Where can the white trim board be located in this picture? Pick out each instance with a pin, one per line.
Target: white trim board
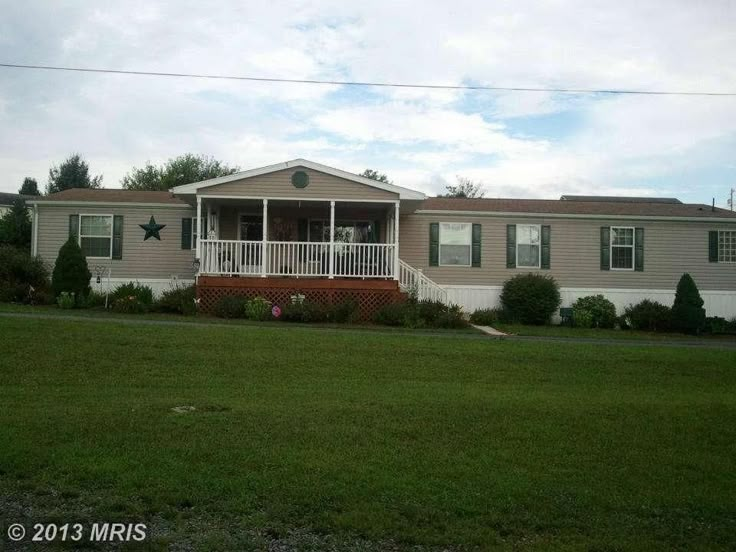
(717, 302)
(404, 193)
(158, 285)
(52, 203)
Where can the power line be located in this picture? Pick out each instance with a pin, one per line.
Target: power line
(369, 83)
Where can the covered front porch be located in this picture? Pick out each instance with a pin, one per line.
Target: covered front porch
(297, 238)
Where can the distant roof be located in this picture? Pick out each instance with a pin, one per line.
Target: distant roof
(620, 199)
(8, 199)
(561, 207)
(104, 195)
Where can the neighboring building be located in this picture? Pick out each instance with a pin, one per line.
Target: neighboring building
(7, 200)
(303, 227)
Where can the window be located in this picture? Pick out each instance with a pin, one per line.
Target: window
(528, 245)
(727, 246)
(95, 235)
(455, 242)
(345, 231)
(622, 248)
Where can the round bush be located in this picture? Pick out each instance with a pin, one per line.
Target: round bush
(530, 298)
(71, 273)
(688, 314)
(23, 278)
(594, 311)
(648, 316)
(141, 292)
(485, 317)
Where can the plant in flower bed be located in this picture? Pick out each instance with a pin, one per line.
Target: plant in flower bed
(303, 310)
(486, 317)
(143, 293)
(71, 273)
(344, 312)
(719, 325)
(66, 300)
(530, 298)
(594, 311)
(688, 314)
(258, 308)
(230, 306)
(177, 300)
(130, 304)
(23, 278)
(646, 315)
(421, 314)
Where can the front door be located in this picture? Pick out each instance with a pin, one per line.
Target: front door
(251, 227)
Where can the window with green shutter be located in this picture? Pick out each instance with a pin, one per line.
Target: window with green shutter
(605, 248)
(476, 244)
(546, 247)
(510, 246)
(117, 237)
(434, 244)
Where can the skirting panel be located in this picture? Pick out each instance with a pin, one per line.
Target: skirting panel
(371, 295)
(158, 285)
(717, 303)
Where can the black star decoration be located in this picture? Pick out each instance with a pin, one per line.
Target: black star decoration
(152, 229)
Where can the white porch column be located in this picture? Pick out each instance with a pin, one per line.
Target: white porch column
(198, 249)
(332, 240)
(396, 241)
(264, 248)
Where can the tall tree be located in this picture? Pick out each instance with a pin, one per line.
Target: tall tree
(29, 187)
(465, 188)
(184, 169)
(72, 173)
(15, 226)
(375, 175)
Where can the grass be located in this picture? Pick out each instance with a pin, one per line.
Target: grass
(598, 333)
(360, 440)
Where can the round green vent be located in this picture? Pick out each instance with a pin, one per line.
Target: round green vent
(300, 179)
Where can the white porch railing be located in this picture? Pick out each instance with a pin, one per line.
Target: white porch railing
(245, 258)
(413, 280)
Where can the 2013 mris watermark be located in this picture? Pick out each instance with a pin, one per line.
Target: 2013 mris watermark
(78, 532)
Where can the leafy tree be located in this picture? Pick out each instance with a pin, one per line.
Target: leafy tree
(15, 226)
(688, 314)
(465, 188)
(29, 187)
(71, 273)
(375, 175)
(72, 173)
(184, 169)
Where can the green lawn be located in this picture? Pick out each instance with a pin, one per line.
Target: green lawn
(362, 440)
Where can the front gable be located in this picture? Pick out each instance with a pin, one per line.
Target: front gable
(290, 184)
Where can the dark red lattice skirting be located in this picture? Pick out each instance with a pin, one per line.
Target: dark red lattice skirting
(371, 295)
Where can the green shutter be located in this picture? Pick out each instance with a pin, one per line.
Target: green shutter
(434, 244)
(639, 249)
(476, 245)
(713, 246)
(510, 246)
(545, 247)
(605, 248)
(377, 231)
(117, 237)
(186, 233)
(73, 225)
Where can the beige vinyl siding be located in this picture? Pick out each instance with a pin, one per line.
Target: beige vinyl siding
(278, 184)
(670, 248)
(141, 259)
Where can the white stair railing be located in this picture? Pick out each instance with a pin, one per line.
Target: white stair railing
(413, 280)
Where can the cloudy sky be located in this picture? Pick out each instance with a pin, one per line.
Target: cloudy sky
(517, 144)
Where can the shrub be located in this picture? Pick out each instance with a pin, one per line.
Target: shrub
(177, 300)
(143, 293)
(93, 300)
(129, 305)
(71, 273)
(647, 316)
(530, 298)
(601, 313)
(66, 300)
(344, 312)
(230, 306)
(303, 310)
(421, 314)
(688, 314)
(719, 325)
(23, 278)
(485, 317)
(258, 308)
(392, 314)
